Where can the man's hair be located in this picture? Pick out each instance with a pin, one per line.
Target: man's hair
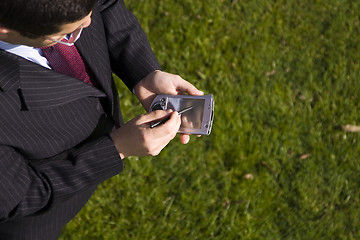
(34, 18)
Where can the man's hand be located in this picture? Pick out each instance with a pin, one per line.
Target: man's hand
(136, 138)
(159, 82)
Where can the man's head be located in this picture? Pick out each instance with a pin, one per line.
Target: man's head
(33, 19)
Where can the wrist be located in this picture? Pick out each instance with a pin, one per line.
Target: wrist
(117, 145)
(142, 82)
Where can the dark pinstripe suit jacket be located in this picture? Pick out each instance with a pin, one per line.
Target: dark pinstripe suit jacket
(54, 146)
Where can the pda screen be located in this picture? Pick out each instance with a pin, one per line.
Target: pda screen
(192, 118)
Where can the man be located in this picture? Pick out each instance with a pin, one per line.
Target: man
(59, 126)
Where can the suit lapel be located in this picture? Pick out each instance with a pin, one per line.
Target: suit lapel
(44, 88)
(9, 71)
(39, 87)
(94, 51)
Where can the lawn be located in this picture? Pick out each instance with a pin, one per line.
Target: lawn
(279, 163)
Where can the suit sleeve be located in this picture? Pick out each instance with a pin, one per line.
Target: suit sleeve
(28, 186)
(130, 53)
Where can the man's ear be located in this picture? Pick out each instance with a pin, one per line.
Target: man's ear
(3, 32)
(4, 29)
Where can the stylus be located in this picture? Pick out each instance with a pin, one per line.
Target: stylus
(167, 118)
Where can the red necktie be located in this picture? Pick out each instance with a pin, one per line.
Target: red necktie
(67, 60)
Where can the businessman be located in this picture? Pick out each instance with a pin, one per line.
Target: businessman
(61, 130)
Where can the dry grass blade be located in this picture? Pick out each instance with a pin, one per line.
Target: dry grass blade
(351, 128)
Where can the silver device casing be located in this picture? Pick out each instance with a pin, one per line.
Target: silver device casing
(198, 120)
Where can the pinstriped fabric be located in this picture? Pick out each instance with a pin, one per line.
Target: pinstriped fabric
(43, 88)
(9, 71)
(141, 58)
(96, 59)
(61, 213)
(54, 147)
(53, 129)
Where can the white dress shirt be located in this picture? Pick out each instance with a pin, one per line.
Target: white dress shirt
(29, 53)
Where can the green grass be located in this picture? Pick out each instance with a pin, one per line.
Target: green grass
(277, 165)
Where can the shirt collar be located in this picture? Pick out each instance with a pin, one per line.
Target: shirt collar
(29, 53)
